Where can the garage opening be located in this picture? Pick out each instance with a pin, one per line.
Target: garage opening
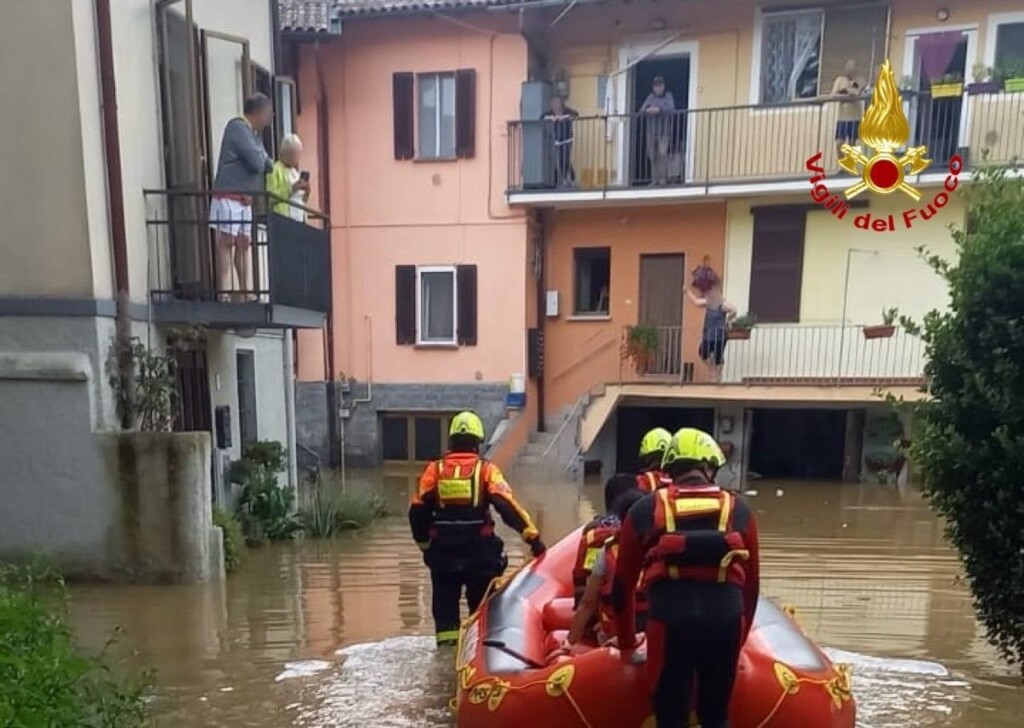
(633, 422)
(798, 443)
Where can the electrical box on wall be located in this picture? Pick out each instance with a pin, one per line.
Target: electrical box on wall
(551, 304)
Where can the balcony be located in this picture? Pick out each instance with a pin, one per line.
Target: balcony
(786, 355)
(282, 281)
(737, 150)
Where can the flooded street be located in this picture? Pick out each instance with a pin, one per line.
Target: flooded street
(337, 633)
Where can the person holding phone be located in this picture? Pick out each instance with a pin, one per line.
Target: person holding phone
(286, 183)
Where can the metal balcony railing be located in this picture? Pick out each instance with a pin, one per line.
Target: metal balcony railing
(277, 259)
(783, 354)
(744, 144)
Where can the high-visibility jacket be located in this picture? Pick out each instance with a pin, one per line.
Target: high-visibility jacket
(592, 541)
(651, 480)
(691, 531)
(694, 537)
(452, 507)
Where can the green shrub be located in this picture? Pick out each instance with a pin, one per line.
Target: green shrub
(266, 509)
(44, 679)
(268, 454)
(969, 439)
(327, 512)
(234, 539)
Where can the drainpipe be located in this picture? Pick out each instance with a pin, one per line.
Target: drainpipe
(541, 285)
(115, 198)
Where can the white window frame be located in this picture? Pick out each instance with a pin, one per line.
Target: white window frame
(647, 47)
(437, 76)
(420, 327)
(755, 66)
(994, 21)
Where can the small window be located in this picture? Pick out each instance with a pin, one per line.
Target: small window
(593, 276)
(1010, 47)
(436, 115)
(245, 363)
(436, 305)
(790, 55)
(418, 437)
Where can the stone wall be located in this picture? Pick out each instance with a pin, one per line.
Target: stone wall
(361, 427)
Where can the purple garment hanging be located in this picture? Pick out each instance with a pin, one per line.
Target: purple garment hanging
(937, 50)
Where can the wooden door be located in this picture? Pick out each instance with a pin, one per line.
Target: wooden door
(661, 304)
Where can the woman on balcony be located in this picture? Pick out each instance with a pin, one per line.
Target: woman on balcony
(288, 186)
(560, 118)
(718, 314)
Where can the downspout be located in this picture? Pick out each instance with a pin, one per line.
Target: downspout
(115, 202)
(540, 278)
(325, 202)
(288, 365)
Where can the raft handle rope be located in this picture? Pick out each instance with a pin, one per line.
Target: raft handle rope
(492, 691)
(838, 687)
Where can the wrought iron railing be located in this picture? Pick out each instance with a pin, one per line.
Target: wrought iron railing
(203, 250)
(782, 354)
(744, 144)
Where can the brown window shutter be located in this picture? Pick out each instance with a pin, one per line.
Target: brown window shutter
(465, 113)
(402, 85)
(405, 304)
(466, 292)
(777, 264)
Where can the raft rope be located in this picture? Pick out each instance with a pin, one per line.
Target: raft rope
(838, 687)
(555, 685)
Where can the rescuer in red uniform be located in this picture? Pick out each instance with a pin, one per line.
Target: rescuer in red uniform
(697, 547)
(451, 522)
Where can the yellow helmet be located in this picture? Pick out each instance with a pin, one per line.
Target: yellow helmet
(467, 423)
(695, 446)
(655, 441)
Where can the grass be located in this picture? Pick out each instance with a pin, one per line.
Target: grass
(327, 511)
(45, 680)
(234, 538)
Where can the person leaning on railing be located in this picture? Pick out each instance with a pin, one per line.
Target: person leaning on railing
(241, 170)
(287, 186)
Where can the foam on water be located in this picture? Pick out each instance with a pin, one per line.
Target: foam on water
(305, 668)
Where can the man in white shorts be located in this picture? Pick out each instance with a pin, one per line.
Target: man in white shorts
(241, 172)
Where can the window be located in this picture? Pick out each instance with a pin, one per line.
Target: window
(790, 55)
(434, 114)
(777, 263)
(435, 305)
(593, 275)
(802, 52)
(245, 363)
(1009, 55)
(419, 437)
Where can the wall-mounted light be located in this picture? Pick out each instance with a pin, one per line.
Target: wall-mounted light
(942, 15)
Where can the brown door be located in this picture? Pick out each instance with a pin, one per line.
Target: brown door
(661, 305)
(777, 264)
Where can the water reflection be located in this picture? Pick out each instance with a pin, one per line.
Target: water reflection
(333, 633)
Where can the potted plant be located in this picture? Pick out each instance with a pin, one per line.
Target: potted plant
(1013, 77)
(887, 327)
(985, 81)
(884, 465)
(948, 86)
(740, 327)
(641, 346)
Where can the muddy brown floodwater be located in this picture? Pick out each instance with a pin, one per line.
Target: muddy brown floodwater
(337, 633)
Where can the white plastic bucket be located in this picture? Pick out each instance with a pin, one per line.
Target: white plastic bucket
(516, 392)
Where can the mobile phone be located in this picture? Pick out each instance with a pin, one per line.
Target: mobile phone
(304, 176)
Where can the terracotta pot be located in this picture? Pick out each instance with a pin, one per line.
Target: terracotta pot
(741, 334)
(883, 331)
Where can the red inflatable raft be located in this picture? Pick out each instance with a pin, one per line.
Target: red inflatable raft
(505, 680)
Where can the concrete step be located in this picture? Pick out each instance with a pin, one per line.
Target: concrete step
(544, 438)
(536, 448)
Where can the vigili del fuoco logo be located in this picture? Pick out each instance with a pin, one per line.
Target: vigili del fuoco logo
(885, 130)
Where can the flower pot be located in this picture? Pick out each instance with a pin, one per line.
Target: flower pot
(741, 334)
(984, 87)
(883, 331)
(1013, 84)
(947, 90)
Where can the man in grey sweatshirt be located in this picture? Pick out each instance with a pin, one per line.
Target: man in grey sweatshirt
(660, 121)
(241, 172)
